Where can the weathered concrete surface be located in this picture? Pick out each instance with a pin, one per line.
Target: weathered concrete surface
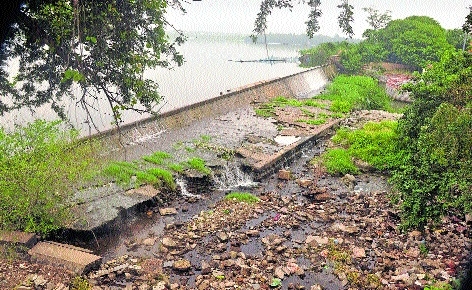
(18, 239)
(74, 259)
(104, 205)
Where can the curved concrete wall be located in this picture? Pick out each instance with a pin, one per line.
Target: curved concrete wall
(302, 84)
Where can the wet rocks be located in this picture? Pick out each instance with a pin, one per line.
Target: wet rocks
(182, 265)
(284, 174)
(167, 211)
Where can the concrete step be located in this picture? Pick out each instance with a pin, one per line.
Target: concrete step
(75, 259)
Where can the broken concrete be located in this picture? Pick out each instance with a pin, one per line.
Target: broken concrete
(74, 259)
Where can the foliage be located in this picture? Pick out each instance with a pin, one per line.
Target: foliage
(376, 19)
(242, 197)
(320, 54)
(467, 27)
(345, 17)
(458, 38)
(436, 134)
(99, 48)
(40, 166)
(339, 160)
(79, 283)
(349, 93)
(415, 41)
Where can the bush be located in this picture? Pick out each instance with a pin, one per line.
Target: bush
(436, 134)
(40, 166)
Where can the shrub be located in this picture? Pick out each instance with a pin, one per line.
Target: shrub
(436, 133)
(40, 166)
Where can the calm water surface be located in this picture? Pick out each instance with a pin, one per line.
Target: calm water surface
(207, 71)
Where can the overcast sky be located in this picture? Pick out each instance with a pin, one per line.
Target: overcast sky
(237, 16)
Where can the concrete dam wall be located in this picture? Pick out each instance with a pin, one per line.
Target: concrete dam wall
(303, 84)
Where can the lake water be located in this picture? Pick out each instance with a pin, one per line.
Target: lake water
(207, 71)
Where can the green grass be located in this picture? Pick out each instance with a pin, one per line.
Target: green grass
(374, 143)
(339, 160)
(121, 171)
(157, 157)
(199, 165)
(349, 93)
(312, 121)
(242, 197)
(176, 167)
(164, 175)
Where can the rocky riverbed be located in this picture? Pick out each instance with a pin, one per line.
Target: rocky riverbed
(309, 230)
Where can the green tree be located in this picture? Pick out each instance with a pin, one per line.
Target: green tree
(376, 19)
(458, 38)
(101, 48)
(436, 133)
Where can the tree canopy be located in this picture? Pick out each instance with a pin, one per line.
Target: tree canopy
(100, 48)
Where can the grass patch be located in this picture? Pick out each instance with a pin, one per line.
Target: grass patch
(176, 167)
(242, 197)
(157, 157)
(339, 160)
(312, 121)
(374, 143)
(199, 165)
(164, 175)
(349, 93)
(121, 171)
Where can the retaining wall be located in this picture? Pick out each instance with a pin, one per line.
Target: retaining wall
(297, 85)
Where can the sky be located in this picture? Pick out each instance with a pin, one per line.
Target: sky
(237, 16)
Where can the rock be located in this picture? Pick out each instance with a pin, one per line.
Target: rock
(304, 182)
(322, 197)
(316, 287)
(181, 265)
(253, 233)
(168, 242)
(222, 236)
(346, 229)
(149, 242)
(349, 179)
(358, 252)
(403, 277)
(167, 211)
(279, 273)
(316, 239)
(284, 174)
(413, 252)
(468, 218)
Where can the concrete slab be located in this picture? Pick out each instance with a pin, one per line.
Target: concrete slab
(18, 239)
(74, 259)
(104, 205)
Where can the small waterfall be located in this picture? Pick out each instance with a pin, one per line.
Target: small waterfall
(183, 189)
(232, 177)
